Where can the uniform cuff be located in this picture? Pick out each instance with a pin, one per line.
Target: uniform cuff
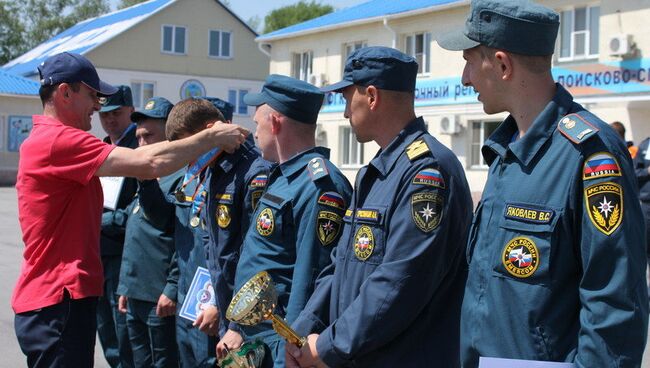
(326, 352)
(171, 291)
(235, 327)
(307, 323)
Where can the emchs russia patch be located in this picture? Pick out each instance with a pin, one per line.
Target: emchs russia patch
(605, 206)
(520, 257)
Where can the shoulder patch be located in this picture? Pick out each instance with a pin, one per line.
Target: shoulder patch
(317, 169)
(600, 165)
(604, 204)
(426, 210)
(259, 181)
(576, 128)
(416, 149)
(332, 199)
(430, 177)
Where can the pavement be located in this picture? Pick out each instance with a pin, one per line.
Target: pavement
(11, 248)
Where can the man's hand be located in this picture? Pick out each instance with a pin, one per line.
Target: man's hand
(232, 340)
(307, 356)
(208, 321)
(228, 137)
(121, 304)
(165, 307)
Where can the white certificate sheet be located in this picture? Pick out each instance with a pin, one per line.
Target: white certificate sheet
(112, 187)
(516, 363)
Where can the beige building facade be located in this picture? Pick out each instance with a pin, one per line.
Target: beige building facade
(602, 57)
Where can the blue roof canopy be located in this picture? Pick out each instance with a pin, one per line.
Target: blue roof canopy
(84, 36)
(367, 10)
(14, 85)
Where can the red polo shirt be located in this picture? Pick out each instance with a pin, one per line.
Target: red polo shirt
(59, 207)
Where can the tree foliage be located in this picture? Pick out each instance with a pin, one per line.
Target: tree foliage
(127, 3)
(27, 23)
(293, 14)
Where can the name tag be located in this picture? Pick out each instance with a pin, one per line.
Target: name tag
(528, 213)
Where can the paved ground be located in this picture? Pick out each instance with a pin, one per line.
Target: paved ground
(11, 249)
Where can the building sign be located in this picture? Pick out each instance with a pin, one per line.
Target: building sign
(593, 79)
(192, 88)
(19, 128)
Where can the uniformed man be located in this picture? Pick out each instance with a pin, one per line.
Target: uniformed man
(299, 217)
(148, 276)
(236, 182)
(642, 170)
(556, 250)
(393, 296)
(115, 117)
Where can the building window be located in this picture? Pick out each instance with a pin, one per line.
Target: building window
(174, 39)
(301, 67)
(579, 30)
(220, 45)
(236, 98)
(142, 91)
(419, 47)
(352, 47)
(481, 130)
(351, 149)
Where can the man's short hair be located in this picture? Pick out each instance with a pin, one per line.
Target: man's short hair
(190, 116)
(619, 128)
(46, 92)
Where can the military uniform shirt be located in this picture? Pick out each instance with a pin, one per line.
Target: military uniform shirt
(556, 250)
(393, 296)
(295, 226)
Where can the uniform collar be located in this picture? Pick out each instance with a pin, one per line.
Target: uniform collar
(299, 161)
(386, 158)
(229, 160)
(526, 148)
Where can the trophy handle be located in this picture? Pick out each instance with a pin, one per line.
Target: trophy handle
(283, 329)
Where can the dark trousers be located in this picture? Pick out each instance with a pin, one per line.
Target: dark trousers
(61, 335)
(111, 324)
(153, 339)
(195, 349)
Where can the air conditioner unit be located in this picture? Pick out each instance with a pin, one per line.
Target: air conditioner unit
(317, 79)
(449, 125)
(620, 44)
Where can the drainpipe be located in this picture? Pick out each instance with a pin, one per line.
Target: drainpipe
(264, 51)
(391, 31)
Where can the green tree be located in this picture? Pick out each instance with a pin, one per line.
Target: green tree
(11, 32)
(127, 3)
(293, 14)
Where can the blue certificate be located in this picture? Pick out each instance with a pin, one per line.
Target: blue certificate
(199, 296)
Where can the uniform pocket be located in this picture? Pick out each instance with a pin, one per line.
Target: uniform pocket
(271, 217)
(525, 252)
(368, 236)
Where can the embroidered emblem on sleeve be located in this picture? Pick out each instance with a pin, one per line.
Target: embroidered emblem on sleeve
(426, 210)
(265, 222)
(328, 227)
(223, 216)
(259, 181)
(600, 165)
(364, 243)
(520, 257)
(604, 203)
(332, 199)
(255, 197)
(430, 177)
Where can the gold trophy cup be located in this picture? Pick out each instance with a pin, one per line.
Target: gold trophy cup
(255, 302)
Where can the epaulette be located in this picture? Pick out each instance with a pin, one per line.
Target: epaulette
(576, 128)
(317, 169)
(416, 149)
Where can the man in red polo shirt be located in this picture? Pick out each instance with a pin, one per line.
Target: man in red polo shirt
(60, 206)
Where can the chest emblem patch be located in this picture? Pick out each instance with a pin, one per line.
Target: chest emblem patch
(430, 177)
(265, 222)
(223, 216)
(604, 203)
(520, 257)
(426, 210)
(364, 243)
(329, 227)
(600, 165)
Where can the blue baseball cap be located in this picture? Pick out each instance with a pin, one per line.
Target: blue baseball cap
(294, 98)
(123, 97)
(68, 67)
(154, 108)
(225, 107)
(382, 67)
(521, 27)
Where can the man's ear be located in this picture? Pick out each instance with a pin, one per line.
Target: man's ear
(373, 97)
(504, 64)
(209, 125)
(63, 90)
(276, 125)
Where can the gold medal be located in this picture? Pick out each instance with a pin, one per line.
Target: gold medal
(195, 221)
(180, 196)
